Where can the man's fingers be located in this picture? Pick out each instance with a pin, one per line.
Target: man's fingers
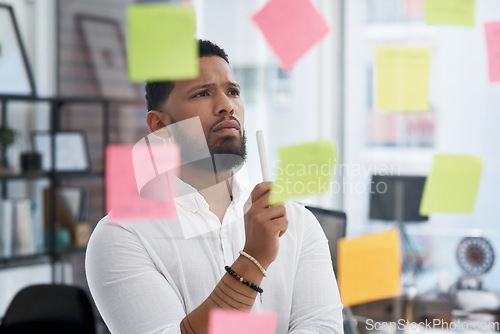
(281, 225)
(275, 212)
(260, 190)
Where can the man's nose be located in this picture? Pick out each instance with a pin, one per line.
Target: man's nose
(224, 105)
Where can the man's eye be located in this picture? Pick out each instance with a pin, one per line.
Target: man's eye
(234, 92)
(201, 94)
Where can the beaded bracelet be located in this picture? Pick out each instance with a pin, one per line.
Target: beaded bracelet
(251, 258)
(242, 280)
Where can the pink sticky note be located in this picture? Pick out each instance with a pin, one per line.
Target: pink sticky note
(291, 27)
(123, 197)
(222, 322)
(151, 158)
(492, 32)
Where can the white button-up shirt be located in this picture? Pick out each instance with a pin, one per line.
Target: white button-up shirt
(146, 276)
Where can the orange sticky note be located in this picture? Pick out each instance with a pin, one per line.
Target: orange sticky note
(291, 27)
(222, 322)
(123, 186)
(492, 34)
(369, 267)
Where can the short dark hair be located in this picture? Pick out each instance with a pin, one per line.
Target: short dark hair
(158, 92)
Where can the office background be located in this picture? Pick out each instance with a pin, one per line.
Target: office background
(328, 95)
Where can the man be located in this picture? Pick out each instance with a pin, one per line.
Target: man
(166, 277)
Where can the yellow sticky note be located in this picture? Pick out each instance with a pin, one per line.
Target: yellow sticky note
(304, 169)
(160, 43)
(452, 185)
(369, 267)
(453, 12)
(402, 79)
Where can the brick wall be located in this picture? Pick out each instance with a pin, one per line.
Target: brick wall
(92, 63)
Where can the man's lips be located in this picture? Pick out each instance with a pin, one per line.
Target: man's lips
(229, 125)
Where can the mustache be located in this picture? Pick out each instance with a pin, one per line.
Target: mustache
(224, 119)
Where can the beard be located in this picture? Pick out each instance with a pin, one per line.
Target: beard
(226, 154)
(229, 154)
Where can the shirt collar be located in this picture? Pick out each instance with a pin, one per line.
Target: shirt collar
(190, 200)
(189, 197)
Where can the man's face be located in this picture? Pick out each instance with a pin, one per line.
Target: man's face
(215, 98)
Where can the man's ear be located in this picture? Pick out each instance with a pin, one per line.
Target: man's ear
(155, 122)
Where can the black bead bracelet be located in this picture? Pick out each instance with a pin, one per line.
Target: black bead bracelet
(242, 280)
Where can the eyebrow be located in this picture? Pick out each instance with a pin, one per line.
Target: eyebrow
(203, 86)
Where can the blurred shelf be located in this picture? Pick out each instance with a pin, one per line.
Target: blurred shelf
(24, 260)
(399, 31)
(23, 176)
(38, 258)
(54, 252)
(71, 250)
(42, 175)
(78, 174)
(60, 99)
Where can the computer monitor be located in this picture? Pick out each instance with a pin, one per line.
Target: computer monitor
(334, 225)
(396, 198)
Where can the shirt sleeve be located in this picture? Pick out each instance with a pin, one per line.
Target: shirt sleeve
(129, 292)
(316, 305)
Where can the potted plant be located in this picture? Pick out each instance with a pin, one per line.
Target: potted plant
(7, 137)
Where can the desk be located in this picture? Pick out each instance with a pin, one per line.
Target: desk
(425, 307)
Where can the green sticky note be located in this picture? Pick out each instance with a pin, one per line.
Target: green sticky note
(453, 12)
(452, 185)
(160, 43)
(402, 79)
(304, 169)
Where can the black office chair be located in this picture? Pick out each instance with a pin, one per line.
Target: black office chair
(47, 308)
(334, 224)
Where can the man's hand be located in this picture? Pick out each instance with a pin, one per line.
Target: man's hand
(264, 225)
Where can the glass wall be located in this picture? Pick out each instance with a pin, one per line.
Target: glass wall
(299, 106)
(462, 118)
